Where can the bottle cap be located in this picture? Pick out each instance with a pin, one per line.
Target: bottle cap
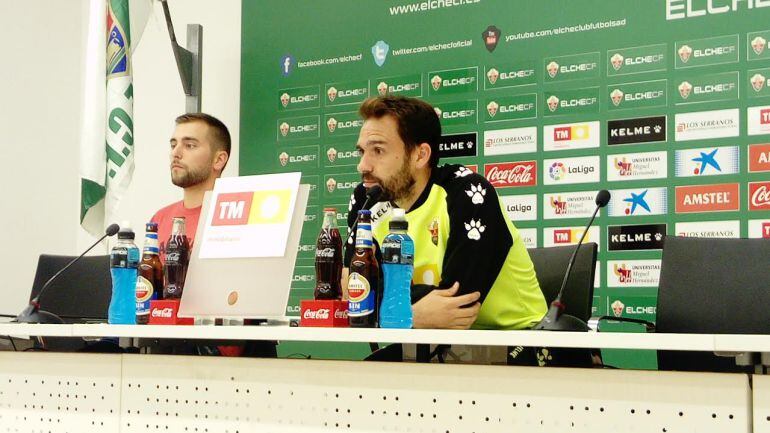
(398, 220)
(126, 233)
(330, 209)
(151, 227)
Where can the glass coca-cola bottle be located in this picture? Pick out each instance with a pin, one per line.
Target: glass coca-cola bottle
(328, 258)
(177, 257)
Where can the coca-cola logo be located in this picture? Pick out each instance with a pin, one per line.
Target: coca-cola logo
(325, 253)
(512, 174)
(320, 314)
(164, 313)
(760, 195)
(340, 314)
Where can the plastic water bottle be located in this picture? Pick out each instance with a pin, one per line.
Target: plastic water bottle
(124, 261)
(398, 267)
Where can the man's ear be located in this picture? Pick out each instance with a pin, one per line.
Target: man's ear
(220, 160)
(423, 153)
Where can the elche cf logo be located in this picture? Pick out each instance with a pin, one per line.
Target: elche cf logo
(435, 82)
(492, 108)
(438, 111)
(331, 124)
(617, 97)
(331, 185)
(617, 61)
(382, 88)
(283, 158)
(332, 93)
(685, 89)
(758, 44)
(685, 52)
(552, 69)
(285, 98)
(284, 128)
(492, 75)
(758, 82)
(553, 103)
(617, 308)
(331, 154)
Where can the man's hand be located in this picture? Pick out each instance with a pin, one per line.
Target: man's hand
(441, 309)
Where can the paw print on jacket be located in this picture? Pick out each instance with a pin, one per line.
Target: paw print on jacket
(543, 356)
(475, 229)
(462, 172)
(477, 193)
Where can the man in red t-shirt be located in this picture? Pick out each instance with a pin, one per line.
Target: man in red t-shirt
(200, 149)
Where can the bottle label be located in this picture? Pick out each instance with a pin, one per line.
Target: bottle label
(144, 291)
(364, 235)
(360, 296)
(397, 251)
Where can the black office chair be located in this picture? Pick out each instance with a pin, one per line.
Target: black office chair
(712, 286)
(81, 294)
(550, 266)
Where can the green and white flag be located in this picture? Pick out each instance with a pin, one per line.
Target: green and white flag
(107, 147)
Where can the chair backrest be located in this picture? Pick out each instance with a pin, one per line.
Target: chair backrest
(550, 266)
(82, 291)
(712, 286)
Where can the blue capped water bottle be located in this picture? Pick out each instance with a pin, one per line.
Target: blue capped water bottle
(398, 267)
(124, 262)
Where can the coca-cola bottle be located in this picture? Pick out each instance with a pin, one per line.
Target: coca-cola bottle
(328, 258)
(177, 257)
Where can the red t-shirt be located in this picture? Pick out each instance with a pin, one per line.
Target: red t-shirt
(165, 219)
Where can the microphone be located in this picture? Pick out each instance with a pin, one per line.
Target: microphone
(33, 314)
(554, 320)
(372, 196)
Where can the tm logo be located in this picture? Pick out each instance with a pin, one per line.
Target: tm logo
(380, 52)
(287, 63)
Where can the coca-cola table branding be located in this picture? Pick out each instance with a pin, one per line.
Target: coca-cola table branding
(323, 313)
(164, 312)
(511, 174)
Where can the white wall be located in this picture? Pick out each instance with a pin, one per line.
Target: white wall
(41, 60)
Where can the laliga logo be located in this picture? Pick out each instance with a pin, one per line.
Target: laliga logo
(332, 93)
(553, 103)
(285, 99)
(283, 158)
(435, 82)
(559, 206)
(284, 129)
(617, 308)
(758, 44)
(623, 167)
(684, 89)
(684, 53)
(617, 61)
(331, 154)
(492, 75)
(382, 88)
(492, 108)
(331, 184)
(556, 171)
(617, 97)
(331, 124)
(553, 69)
(757, 82)
(623, 273)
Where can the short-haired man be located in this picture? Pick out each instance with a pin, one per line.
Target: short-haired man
(200, 149)
(471, 268)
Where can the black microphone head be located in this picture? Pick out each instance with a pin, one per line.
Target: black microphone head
(112, 229)
(373, 194)
(602, 198)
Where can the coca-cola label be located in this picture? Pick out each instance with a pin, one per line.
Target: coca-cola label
(511, 174)
(320, 314)
(327, 253)
(759, 195)
(165, 313)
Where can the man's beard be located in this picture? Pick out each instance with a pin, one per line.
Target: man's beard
(189, 178)
(398, 186)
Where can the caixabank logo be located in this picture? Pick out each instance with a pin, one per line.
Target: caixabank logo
(562, 205)
(635, 60)
(569, 136)
(633, 273)
(636, 237)
(723, 197)
(298, 98)
(635, 131)
(510, 141)
(637, 166)
(582, 169)
(709, 161)
(511, 174)
(638, 202)
(510, 75)
(759, 120)
(251, 207)
(520, 207)
(707, 51)
(709, 229)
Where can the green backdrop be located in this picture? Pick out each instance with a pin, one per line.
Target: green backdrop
(582, 95)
